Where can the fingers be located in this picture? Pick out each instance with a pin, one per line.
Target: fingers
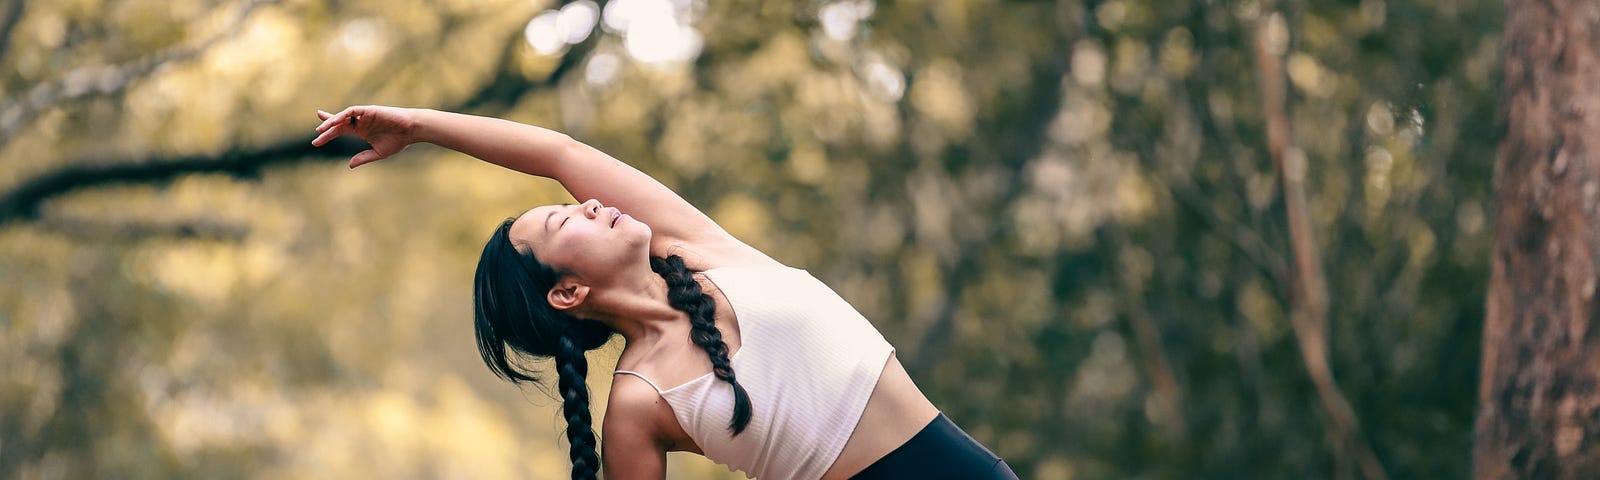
(337, 118)
(329, 121)
(326, 117)
(365, 157)
(335, 124)
(331, 133)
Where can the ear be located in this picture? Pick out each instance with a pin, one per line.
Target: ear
(567, 293)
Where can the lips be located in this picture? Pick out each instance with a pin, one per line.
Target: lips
(616, 216)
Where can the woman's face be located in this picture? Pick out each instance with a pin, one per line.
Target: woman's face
(589, 240)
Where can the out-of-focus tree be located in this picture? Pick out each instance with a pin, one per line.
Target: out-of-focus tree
(1539, 397)
(1063, 213)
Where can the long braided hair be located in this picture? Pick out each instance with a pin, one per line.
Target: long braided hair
(683, 292)
(512, 314)
(515, 325)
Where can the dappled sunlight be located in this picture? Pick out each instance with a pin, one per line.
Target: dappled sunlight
(656, 37)
(381, 432)
(939, 95)
(654, 32)
(552, 31)
(885, 81)
(841, 19)
(602, 69)
(363, 38)
(544, 35)
(1309, 76)
(1063, 215)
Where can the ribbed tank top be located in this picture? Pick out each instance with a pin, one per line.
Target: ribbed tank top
(808, 360)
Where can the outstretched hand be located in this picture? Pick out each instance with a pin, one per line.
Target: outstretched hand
(388, 129)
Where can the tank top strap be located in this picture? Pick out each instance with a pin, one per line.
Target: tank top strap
(641, 377)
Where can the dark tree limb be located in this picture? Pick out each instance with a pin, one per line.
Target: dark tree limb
(1309, 294)
(508, 84)
(127, 231)
(22, 203)
(10, 16)
(1130, 294)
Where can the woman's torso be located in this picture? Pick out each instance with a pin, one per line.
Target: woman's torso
(894, 412)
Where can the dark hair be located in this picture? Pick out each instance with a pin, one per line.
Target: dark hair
(513, 313)
(683, 292)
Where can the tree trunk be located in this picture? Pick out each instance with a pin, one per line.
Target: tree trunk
(1539, 395)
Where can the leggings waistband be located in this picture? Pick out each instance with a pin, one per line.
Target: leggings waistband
(941, 450)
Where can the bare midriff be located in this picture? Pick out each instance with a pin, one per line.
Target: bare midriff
(895, 412)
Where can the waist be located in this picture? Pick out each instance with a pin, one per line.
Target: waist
(895, 412)
(939, 450)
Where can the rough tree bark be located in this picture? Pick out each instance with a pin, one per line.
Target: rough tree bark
(1539, 394)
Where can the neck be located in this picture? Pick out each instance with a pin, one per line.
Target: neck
(636, 306)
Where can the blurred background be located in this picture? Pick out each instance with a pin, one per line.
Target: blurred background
(1062, 213)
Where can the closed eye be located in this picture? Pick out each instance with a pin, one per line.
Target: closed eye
(564, 220)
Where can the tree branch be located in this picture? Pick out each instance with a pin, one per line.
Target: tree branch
(13, 15)
(1169, 394)
(105, 80)
(119, 231)
(1243, 236)
(1309, 297)
(23, 202)
(508, 82)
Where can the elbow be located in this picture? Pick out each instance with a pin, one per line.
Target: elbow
(567, 154)
(556, 155)
(568, 147)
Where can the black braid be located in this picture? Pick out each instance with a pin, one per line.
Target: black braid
(683, 292)
(574, 371)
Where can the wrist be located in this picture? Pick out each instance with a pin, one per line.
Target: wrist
(424, 125)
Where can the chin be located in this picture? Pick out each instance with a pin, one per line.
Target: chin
(640, 227)
(637, 235)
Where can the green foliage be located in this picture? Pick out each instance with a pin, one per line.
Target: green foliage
(1061, 213)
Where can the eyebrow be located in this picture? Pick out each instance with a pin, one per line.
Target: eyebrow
(552, 214)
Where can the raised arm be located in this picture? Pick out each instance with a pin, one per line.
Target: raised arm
(584, 171)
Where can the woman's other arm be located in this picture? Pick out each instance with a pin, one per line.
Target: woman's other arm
(632, 444)
(584, 171)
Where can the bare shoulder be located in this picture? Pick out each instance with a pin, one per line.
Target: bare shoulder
(634, 443)
(633, 400)
(633, 418)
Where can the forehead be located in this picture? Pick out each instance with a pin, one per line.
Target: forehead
(529, 228)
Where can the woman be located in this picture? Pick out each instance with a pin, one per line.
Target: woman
(728, 353)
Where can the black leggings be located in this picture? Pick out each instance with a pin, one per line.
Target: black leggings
(940, 450)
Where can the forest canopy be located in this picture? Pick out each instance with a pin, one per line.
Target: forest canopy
(1065, 215)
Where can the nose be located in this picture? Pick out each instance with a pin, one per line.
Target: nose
(591, 208)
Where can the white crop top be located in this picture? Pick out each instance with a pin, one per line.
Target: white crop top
(807, 359)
